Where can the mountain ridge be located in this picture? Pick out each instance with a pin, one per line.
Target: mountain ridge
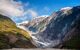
(59, 31)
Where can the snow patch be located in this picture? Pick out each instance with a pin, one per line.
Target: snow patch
(21, 26)
(66, 8)
(42, 16)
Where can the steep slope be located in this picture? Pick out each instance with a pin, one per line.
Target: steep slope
(34, 24)
(59, 30)
(12, 36)
(72, 39)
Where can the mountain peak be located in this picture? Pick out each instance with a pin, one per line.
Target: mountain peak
(66, 8)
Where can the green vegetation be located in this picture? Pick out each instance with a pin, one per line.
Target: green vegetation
(12, 36)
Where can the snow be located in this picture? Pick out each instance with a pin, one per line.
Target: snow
(21, 26)
(24, 22)
(42, 16)
(66, 8)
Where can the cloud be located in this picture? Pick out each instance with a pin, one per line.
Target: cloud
(27, 15)
(31, 13)
(10, 8)
(13, 9)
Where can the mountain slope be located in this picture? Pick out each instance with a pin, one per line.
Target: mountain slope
(59, 27)
(34, 24)
(60, 30)
(12, 36)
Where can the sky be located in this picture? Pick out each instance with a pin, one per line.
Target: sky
(26, 10)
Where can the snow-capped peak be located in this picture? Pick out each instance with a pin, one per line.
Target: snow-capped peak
(66, 8)
(23, 22)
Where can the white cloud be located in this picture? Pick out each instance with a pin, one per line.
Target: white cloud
(10, 8)
(27, 15)
(31, 12)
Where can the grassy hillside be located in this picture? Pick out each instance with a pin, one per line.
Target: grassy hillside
(13, 37)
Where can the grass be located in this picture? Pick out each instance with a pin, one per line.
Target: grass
(9, 30)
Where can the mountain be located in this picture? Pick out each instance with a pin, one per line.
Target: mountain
(60, 30)
(13, 37)
(60, 26)
(33, 24)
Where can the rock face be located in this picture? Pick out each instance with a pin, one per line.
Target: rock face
(12, 36)
(34, 24)
(60, 30)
